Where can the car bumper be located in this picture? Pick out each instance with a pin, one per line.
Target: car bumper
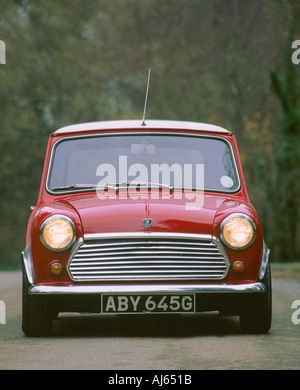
(147, 289)
(207, 297)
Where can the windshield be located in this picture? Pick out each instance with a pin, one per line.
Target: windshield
(177, 161)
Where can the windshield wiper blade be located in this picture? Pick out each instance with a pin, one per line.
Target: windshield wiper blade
(146, 184)
(74, 186)
(85, 186)
(114, 187)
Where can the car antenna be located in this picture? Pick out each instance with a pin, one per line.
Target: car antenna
(146, 98)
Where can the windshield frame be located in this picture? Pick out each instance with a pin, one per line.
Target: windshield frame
(137, 133)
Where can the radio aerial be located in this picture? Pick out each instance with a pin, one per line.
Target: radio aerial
(146, 98)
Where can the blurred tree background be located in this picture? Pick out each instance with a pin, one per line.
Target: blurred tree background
(221, 62)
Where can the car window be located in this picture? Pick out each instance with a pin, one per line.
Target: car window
(180, 161)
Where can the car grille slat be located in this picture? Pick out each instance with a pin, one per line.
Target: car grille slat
(148, 259)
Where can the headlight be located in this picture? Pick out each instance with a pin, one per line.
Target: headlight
(238, 231)
(57, 232)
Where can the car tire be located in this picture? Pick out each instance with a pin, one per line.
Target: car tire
(36, 313)
(256, 316)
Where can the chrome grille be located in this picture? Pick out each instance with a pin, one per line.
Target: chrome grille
(147, 257)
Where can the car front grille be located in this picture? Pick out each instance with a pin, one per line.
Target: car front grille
(148, 257)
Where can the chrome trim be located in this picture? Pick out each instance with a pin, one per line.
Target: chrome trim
(141, 132)
(102, 266)
(57, 216)
(74, 249)
(145, 289)
(106, 236)
(264, 261)
(238, 215)
(27, 260)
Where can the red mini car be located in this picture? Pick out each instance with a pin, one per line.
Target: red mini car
(144, 218)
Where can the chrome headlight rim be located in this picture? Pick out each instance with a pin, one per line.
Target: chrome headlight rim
(247, 218)
(49, 219)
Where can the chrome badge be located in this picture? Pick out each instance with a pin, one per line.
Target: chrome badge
(147, 222)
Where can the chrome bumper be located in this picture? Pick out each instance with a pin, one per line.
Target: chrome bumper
(148, 289)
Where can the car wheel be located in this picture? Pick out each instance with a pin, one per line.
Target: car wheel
(36, 313)
(256, 316)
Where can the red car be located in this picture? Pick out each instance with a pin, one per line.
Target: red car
(144, 218)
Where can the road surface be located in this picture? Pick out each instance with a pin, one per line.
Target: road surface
(160, 343)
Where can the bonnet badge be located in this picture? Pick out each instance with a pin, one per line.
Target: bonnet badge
(147, 222)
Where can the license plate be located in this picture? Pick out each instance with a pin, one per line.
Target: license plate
(155, 303)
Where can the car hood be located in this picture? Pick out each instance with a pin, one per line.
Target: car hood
(181, 215)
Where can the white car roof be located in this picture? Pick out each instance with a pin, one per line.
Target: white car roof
(137, 124)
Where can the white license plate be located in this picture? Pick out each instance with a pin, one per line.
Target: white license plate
(155, 303)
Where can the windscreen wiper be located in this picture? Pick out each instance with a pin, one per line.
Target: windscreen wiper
(145, 184)
(85, 186)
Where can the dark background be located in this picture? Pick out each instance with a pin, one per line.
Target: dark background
(226, 62)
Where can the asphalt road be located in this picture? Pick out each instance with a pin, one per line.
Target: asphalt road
(160, 343)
